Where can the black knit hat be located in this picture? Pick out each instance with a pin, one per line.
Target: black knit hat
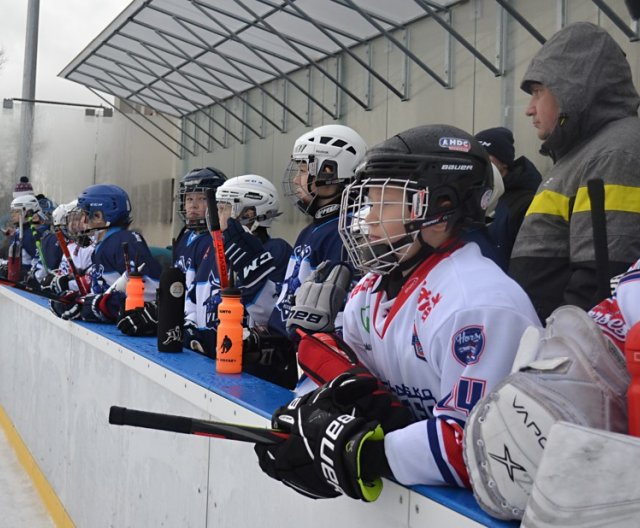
(498, 142)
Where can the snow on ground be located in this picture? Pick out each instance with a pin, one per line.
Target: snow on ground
(20, 504)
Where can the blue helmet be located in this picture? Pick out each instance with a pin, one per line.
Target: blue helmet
(198, 181)
(111, 200)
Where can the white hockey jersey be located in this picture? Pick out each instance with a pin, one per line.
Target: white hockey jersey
(617, 314)
(448, 337)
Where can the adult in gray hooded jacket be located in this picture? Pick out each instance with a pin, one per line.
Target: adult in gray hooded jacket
(584, 106)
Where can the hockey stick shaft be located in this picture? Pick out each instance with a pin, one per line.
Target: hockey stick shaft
(36, 238)
(596, 192)
(67, 254)
(216, 234)
(186, 425)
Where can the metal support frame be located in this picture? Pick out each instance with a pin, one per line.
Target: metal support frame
(364, 14)
(631, 33)
(449, 62)
(451, 31)
(522, 21)
(561, 8)
(177, 154)
(261, 57)
(295, 47)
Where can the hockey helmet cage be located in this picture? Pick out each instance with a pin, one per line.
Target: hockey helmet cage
(445, 175)
(197, 181)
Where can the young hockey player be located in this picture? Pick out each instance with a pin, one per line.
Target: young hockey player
(105, 214)
(61, 279)
(433, 320)
(247, 206)
(322, 163)
(30, 222)
(189, 249)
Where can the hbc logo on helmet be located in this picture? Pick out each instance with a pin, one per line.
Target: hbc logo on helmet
(451, 143)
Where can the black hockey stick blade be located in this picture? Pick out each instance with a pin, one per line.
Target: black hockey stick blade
(186, 425)
(595, 189)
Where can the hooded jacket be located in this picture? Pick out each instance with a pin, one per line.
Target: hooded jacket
(597, 136)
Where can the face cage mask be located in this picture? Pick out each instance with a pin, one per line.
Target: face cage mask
(195, 223)
(356, 220)
(78, 230)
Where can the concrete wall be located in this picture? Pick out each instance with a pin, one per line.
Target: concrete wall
(57, 382)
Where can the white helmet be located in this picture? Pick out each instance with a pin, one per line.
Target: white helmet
(331, 153)
(250, 191)
(60, 213)
(27, 205)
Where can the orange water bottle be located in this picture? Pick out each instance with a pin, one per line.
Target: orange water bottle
(632, 352)
(135, 292)
(229, 338)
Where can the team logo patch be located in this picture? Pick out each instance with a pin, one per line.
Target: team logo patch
(417, 346)
(468, 344)
(450, 143)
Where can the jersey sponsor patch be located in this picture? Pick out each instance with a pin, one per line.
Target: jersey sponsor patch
(468, 344)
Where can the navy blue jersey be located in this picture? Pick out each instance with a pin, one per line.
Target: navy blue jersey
(316, 243)
(204, 297)
(189, 252)
(108, 261)
(51, 251)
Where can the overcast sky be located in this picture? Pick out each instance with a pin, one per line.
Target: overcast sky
(66, 28)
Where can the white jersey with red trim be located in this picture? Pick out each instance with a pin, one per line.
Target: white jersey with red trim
(617, 314)
(444, 342)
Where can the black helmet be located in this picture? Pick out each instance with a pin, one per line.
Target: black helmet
(445, 175)
(198, 181)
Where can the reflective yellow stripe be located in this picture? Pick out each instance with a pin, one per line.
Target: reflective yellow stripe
(551, 203)
(616, 198)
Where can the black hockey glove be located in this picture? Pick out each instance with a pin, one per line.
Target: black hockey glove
(319, 299)
(370, 409)
(199, 340)
(246, 254)
(102, 307)
(67, 307)
(322, 458)
(141, 321)
(56, 283)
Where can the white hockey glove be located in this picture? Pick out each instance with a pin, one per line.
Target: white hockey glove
(319, 299)
(571, 375)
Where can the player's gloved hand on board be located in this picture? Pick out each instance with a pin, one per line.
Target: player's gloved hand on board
(56, 282)
(319, 299)
(199, 340)
(68, 307)
(141, 321)
(336, 441)
(102, 307)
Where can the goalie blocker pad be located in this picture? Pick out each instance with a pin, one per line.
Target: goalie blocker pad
(569, 374)
(587, 478)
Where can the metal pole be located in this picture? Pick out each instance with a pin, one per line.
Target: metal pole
(23, 167)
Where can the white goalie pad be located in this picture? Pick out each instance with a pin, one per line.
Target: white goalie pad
(570, 375)
(587, 478)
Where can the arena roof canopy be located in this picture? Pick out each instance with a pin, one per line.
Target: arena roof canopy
(182, 56)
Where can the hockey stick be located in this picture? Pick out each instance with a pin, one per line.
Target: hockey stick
(36, 238)
(186, 425)
(595, 189)
(67, 254)
(4, 281)
(213, 223)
